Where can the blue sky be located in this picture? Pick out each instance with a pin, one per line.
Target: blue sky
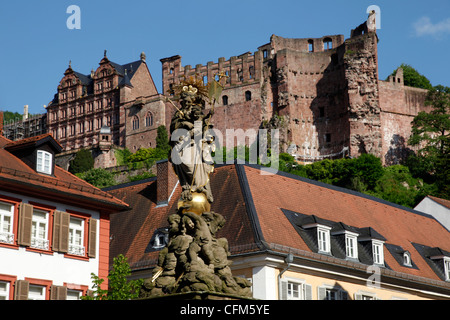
(36, 45)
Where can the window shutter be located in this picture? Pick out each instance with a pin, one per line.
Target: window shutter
(308, 291)
(92, 238)
(58, 293)
(56, 228)
(283, 290)
(322, 292)
(21, 290)
(358, 296)
(25, 222)
(64, 232)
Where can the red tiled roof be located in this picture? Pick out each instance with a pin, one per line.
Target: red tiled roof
(30, 140)
(398, 225)
(444, 202)
(16, 176)
(252, 205)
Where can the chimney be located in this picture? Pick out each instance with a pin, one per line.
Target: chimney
(25, 112)
(165, 183)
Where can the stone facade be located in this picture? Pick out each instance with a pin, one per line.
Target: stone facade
(324, 94)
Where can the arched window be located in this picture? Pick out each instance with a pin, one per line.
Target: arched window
(327, 44)
(406, 259)
(149, 119)
(248, 96)
(225, 100)
(135, 122)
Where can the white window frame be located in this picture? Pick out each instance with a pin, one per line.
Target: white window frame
(351, 245)
(323, 239)
(378, 252)
(327, 290)
(407, 259)
(76, 236)
(364, 295)
(44, 162)
(295, 285)
(4, 294)
(160, 240)
(74, 294)
(6, 227)
(39, 241)
(447, 268)
(39, 296)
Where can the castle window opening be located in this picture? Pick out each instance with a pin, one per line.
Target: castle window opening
(327, 44)
(251, 71)
(248, 96)
(171, 71)
(240, 74)
(225, 100)
(328, 137)
(321, 112)
(135, 123)
(205, 80)
(265, 54)
(310, 46)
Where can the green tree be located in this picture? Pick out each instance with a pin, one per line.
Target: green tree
(99, 177)
(82, 162)
(120, 288)
(8, 116)
(431, 133)
(162, 143)
(412, 78)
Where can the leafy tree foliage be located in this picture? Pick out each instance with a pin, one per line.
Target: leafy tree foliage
(412, 78)
(99, 177)
(82, 162)
(119, 287)
(363, 174)
(162, 141)
(431, 134)
(8, 116)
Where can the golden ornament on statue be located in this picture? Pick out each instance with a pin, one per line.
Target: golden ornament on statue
(197, 205)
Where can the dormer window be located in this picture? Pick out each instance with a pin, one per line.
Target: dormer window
(447, 268)
(44, 162)
(377, 252)
(407, 259)
(351, 245)
(323, 239)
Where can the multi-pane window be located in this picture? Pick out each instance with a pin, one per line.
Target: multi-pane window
(351, 249)
(36, 292)
(6, 223)
(293, 291)
(4, 290)
(149, 120)
(44, 161)
(39, 230)
(76, 236)
(377, 250)
(135, 123)
(323, 239)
